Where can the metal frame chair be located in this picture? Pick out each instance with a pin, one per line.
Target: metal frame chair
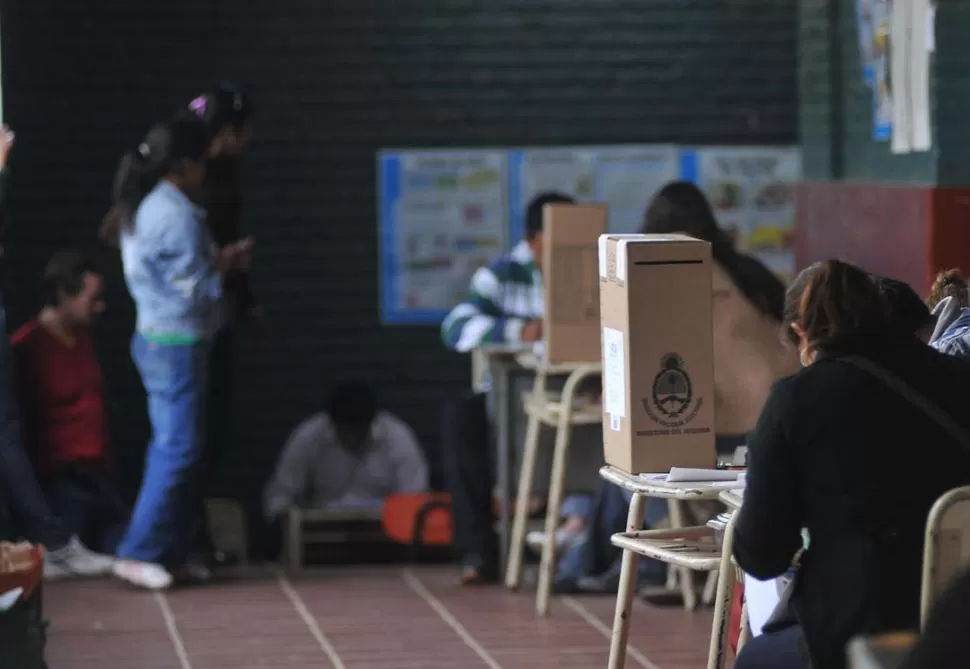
(947, 545)
(556, 410)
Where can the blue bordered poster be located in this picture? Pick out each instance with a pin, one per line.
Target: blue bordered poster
(442, 215)
(625, 177)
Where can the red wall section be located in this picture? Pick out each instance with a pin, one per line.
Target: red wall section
(906, 232)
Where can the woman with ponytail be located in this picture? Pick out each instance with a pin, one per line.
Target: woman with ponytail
(854, 449)
(174, 275)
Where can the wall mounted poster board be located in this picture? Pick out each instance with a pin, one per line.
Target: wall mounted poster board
(752, 192)
(624, 177)
(443, 214)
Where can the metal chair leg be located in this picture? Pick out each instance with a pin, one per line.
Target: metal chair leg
(513, 570)
(626, 590)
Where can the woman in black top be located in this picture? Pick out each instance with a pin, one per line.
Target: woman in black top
(227, 114)
(841, 453)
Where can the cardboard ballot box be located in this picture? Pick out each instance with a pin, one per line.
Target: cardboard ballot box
(658, 352)
(570, 268)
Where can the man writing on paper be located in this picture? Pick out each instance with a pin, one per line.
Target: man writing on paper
(504, 306)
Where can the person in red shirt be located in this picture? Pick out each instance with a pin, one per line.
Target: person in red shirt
(65, 427)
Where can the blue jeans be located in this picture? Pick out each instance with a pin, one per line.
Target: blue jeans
(772, 650)
(175, 379)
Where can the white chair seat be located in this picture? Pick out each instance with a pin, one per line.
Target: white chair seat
(693, 548)
(547, 407)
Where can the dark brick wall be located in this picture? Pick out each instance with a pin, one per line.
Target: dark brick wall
(835, 105)
(336, 81)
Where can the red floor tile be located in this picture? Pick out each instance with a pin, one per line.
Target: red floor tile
(373, 618)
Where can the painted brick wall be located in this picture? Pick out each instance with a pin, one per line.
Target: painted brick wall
(336, 81)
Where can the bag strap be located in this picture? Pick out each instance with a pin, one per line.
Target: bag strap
(956, 431)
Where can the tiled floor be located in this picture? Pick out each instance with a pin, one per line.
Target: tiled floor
(363, 618)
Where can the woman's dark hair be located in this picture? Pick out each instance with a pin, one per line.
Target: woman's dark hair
(164, 148)
(64, 275)
(681, 206)
(218, 108)
(906, 311)
(950, 283)
(835, 303)
(533, 212)
(352, 404)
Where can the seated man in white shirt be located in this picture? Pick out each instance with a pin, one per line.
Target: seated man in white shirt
(352, 453)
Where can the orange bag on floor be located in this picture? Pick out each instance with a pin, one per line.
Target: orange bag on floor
(419, 519)
(734, 620)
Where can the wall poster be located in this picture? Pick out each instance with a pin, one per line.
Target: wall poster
(752, 192)
(442, 216)
(624, 177)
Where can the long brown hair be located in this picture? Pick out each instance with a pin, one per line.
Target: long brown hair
(835, 303)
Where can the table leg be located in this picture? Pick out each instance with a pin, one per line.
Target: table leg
(627, 588)
(722, 603)
(684, 575)
(503, 425)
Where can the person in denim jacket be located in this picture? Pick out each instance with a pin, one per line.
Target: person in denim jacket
(174, 274)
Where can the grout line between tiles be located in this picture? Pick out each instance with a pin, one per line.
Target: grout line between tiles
(173, 631)
(309, 620)
(415, 584)
(607, 633)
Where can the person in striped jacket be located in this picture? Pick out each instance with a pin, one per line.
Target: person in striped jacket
(505, 303)
(504, 306)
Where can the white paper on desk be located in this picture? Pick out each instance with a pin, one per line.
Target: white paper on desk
(685, 475)
(762, 598)
(8, 599)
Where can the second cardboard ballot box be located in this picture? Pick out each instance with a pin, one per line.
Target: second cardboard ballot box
(658, 352)
(570, 269)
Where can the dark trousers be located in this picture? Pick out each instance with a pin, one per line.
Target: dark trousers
(219, 431)
(30, 515)
(774, 650)
(469, 477)
(90, 507)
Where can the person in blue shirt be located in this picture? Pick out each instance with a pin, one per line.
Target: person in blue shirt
(174, 274)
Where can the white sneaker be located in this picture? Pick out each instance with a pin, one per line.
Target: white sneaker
(142, 574)
(75, 559)
(564, 538)
(54, 572)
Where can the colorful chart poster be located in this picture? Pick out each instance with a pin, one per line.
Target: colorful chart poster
(443, 214)
(752, 192)
(624, 177)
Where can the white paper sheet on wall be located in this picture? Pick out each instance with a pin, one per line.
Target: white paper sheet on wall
(919, 77)
(614, 375)
(912, 25)
(899, 73)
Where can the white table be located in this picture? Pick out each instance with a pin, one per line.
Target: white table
(642, 489)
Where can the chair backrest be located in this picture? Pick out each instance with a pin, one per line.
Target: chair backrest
(947, 546)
